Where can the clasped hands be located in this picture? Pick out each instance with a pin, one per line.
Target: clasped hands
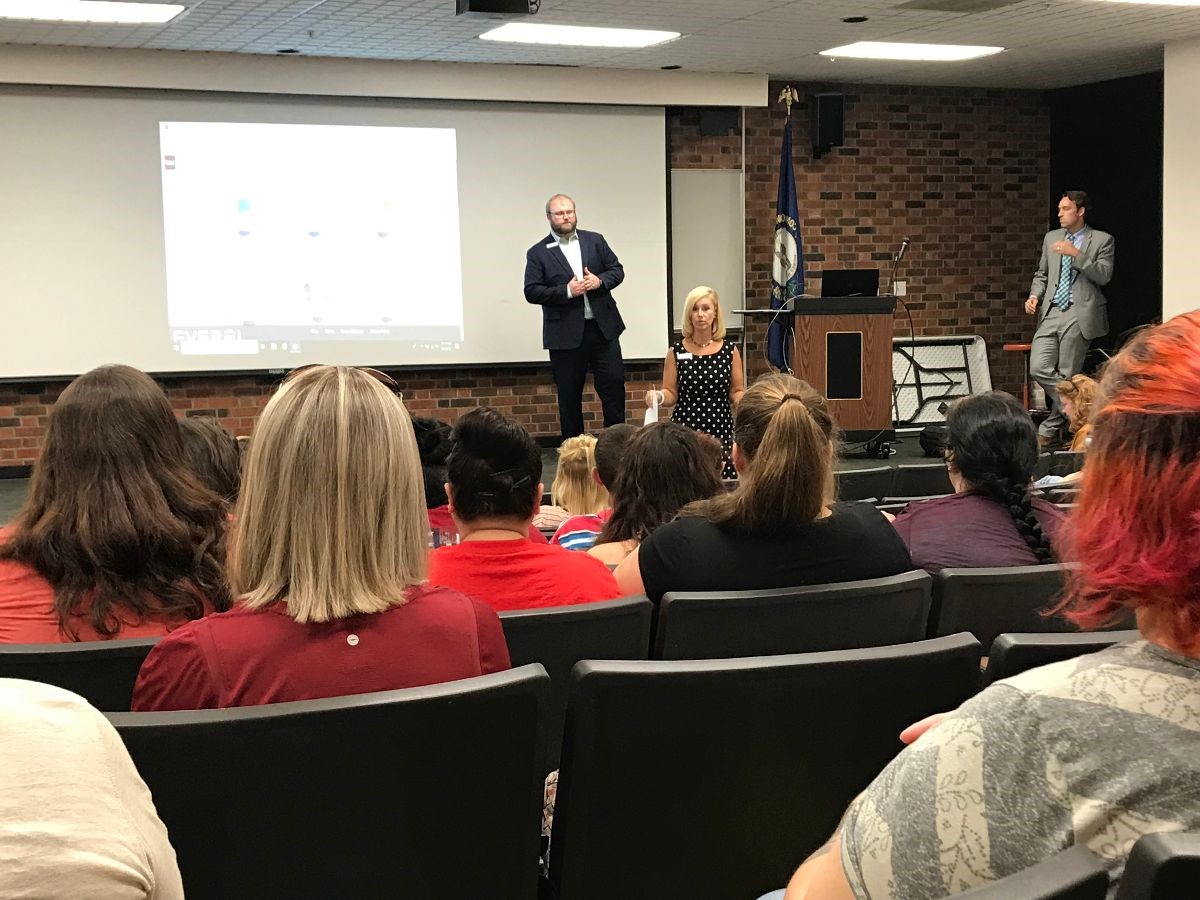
(588, 282)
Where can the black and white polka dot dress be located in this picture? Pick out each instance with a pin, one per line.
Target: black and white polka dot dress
(703, 397)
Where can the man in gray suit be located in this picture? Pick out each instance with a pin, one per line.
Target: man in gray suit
(1076, 262)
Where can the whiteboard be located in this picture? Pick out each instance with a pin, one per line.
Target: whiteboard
(708, 237)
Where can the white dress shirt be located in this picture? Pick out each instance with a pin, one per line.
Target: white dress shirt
(574, 253)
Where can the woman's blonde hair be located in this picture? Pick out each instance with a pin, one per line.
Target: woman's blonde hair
(695, 295)
(331, 518)
(784, 433)
(574, 488)
(1081, 391)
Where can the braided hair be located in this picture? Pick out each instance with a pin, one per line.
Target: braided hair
(994, 445)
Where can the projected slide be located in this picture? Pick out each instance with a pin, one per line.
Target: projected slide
(281, 236)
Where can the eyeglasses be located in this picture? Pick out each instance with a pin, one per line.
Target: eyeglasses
(382, 377)
(563, 214)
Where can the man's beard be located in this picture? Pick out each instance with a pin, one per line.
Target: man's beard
(562, 230)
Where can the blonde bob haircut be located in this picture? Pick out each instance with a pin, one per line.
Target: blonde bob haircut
(331, 518)
(695, 295)
(574, 488)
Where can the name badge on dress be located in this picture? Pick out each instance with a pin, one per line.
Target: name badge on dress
(683, 356)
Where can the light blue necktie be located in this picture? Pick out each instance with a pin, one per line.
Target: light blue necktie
(1062, 294)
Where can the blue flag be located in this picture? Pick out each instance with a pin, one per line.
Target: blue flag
(787, 268)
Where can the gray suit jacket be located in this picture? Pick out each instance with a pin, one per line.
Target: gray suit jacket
(1093, 267)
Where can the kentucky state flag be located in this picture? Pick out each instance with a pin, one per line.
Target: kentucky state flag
(787, 270)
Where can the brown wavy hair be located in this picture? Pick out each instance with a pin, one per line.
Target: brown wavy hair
(115, 519)
(784, 433)
(1081, 391)
(666, 466)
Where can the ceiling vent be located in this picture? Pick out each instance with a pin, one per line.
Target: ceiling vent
(956, 6)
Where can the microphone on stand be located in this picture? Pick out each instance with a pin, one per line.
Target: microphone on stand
(904, 243)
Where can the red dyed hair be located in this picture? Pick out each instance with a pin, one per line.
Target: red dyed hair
(1136, 531)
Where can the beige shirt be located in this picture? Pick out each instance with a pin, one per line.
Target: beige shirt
(76, 819)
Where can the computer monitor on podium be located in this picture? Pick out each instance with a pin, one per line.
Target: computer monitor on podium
(850, 283)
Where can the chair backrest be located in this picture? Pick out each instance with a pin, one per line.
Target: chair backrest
(1074, 874)
(990, 601)
(1012, 654)
(921, 480)
(713, 778)
(1162, 867)
(1064, 462)
(865, 484)
(560, 636)
(425, 792)
(721, 624)
(101, 672)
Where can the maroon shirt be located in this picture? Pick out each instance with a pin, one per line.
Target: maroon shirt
(247, 657)
(970, 531)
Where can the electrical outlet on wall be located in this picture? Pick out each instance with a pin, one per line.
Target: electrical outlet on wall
(900, 289)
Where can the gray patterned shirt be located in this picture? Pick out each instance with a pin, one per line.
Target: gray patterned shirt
(1097, 751)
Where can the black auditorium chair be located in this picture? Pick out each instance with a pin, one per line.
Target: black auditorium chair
(560, 636)
(921, 480)
(713, 778)
(428, 792)
(1012, 654)
(990, 601)
(718, 624)
(865, 484)
(1074, 874)
(1162, 867)
(101, 672)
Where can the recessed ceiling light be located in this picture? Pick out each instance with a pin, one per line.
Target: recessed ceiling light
(911, 52)
(106, 11)
(577, 35)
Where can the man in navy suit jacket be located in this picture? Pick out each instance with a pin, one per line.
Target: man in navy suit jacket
(570, 274)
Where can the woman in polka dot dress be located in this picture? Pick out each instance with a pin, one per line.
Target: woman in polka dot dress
(702, 373)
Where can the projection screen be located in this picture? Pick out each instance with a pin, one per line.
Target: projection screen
(185, 232)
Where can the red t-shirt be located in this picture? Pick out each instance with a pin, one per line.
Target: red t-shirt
(519, 574)
(27, 613)
(439, 517)
(249, 657)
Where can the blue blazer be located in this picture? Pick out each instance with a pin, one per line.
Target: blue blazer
(547, 274)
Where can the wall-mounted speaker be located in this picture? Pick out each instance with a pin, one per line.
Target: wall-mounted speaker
(827, 125)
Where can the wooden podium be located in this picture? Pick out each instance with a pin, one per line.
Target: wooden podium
(843, 348)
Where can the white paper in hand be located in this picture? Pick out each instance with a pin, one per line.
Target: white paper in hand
(652, 410)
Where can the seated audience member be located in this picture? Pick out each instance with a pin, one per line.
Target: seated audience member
(495, 473)
(666, 467)
(434, 443)
(117, 537)
(778, 527)
(990, 519)
(574, 492)
(1078, 397)
(213, 454)
(1096, 750)
(76, 819)
(328, 558)
(579, 532)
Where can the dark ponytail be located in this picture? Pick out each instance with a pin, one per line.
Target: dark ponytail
(993, 444)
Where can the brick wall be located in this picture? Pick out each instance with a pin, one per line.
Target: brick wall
(962, 172)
